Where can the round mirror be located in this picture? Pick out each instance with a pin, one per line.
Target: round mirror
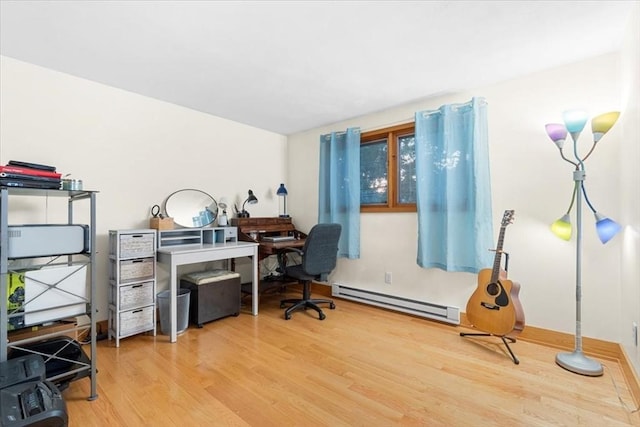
(191, 208)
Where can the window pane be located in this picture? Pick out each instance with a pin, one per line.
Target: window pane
(373, 169)
(406, 169)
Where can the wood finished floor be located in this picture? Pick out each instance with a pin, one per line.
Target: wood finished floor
(362, 366)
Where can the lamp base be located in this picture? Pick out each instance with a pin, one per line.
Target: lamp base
(578, 363)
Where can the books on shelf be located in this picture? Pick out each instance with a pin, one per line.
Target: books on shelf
(20, 176)
(29, 183)
(29, 175)
(20, 170)
(31, 165)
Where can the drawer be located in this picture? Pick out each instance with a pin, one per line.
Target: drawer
(135, 295)
(230, 233)
(137, 245)
(135, 321)
(137, 269)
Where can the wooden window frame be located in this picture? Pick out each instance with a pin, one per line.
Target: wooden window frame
(391, 134)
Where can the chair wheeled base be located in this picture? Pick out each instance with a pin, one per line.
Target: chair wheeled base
(305, 302)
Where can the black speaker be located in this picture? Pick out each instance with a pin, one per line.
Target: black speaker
(33, 404)
(21, 370)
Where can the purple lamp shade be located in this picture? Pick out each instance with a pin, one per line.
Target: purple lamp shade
(557, 133)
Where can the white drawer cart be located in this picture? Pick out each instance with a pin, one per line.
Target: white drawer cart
(132, 283)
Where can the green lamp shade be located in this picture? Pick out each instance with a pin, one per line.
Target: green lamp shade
(562, 227)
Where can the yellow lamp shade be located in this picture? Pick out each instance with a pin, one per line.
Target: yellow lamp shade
(602, 123)
(562, 227)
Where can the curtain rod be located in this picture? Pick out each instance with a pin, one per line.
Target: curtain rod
(479, 99)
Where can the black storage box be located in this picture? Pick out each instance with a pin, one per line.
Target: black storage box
(60, 372)
(214, 294)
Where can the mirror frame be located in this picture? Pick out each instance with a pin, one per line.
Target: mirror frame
(186, 208)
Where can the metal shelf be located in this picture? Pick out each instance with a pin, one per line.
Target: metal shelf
(73, 196)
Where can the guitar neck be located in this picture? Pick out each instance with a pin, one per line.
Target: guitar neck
(495, 272)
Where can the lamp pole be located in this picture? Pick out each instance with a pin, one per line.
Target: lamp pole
(574, 122)
(576, 361)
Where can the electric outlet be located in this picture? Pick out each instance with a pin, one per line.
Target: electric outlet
(387, 278)
(635, 333)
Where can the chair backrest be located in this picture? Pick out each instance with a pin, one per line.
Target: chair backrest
(321, 249)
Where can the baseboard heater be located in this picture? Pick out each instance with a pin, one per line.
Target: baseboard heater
(418, 308)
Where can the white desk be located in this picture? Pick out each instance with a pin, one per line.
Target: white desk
(175, 256)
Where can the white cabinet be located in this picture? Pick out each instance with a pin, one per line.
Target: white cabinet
(132, 283)
(55, 263)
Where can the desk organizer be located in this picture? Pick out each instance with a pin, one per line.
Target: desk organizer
(196, 236)
(214, 294)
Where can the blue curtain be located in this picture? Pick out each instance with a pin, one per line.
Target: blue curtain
(455, 228)
(339, 198)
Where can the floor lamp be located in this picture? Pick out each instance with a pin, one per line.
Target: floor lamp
(574, 122)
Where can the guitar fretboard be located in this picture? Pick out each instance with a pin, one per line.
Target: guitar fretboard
(507, 218)
(495, 273)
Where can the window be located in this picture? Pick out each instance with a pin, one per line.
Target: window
(387, 170)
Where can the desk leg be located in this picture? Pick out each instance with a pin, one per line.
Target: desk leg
(255, 284)
(173, 306)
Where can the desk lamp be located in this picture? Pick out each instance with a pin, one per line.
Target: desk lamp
(282, 206)
(574, 122)
(252, 200)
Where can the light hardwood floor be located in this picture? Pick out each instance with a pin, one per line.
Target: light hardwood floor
(362, 366)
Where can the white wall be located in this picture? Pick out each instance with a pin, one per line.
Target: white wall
(527, 175)
(630, 187)
(134, 150)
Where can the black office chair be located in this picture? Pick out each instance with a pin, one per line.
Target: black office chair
(319, 257)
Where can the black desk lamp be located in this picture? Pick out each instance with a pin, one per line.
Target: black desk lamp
(282, 194)
(252, 200)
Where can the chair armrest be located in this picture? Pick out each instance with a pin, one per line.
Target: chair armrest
(291, 249)
(282, 257)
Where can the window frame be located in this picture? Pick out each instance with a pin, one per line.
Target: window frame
(391, 134)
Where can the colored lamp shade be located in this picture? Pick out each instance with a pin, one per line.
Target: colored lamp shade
(602, 123)
(557, 133)
(562, 227)
(606, 227)
(575, 120)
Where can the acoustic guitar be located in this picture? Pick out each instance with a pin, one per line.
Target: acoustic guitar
(494, 306)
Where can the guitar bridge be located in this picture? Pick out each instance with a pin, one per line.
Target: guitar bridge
(490, 306)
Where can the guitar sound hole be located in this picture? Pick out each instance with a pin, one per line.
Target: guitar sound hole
(493, 289)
